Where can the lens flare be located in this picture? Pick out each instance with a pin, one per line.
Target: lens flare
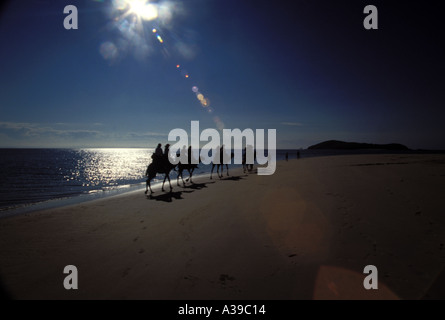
(108, 50)
(129, 17)
(205, 102)
(219, 124)
(143, 9)
(120, 4)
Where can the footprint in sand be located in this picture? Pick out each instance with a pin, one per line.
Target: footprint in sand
(126, 272)
(223, 278)
(294, 262)
(191, 280)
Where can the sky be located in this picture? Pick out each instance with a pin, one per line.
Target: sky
(308, 69)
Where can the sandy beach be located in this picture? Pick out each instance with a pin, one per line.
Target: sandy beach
(306, 232)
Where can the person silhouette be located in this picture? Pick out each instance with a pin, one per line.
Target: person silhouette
(244, 159)
(157, 156)
(191, 158)
(221, 155)
(251, 151)
(158, 151)
(167, 152)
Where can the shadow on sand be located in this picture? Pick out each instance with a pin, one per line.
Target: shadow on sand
(234, 178)
(198, 186)
(168, 196)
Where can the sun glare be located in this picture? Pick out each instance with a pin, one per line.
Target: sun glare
(143, 9)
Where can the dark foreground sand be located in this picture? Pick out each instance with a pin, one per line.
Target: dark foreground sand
(306, 232)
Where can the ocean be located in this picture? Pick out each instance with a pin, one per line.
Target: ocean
(33, 179)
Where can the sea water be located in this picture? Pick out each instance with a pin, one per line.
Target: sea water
(30, 176)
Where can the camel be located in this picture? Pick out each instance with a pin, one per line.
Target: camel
(247, 167)
(221, 164)
(163, 167)
(190, 168)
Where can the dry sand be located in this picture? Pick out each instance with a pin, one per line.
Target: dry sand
(305, 232)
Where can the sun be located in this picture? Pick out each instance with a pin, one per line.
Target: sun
(142, 9)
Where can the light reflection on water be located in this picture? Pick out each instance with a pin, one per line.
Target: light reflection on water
(110, 167)
(34, 175)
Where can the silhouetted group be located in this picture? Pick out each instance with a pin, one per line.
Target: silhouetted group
(161, 158)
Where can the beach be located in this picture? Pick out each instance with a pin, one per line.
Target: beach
(305, 232)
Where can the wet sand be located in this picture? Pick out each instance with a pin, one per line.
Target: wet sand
(306, 232)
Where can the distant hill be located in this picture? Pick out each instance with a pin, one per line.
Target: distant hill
(341, 145)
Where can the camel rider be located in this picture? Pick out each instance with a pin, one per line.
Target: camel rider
(167, 151)
(158, 151)
(157, 156)
(221, 154)
(190, 155)
(166, 157)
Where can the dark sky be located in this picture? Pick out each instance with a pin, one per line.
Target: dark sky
(306, 68)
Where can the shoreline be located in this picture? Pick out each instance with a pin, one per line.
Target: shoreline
(85, 197)
(305, 232)
(93, 195)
